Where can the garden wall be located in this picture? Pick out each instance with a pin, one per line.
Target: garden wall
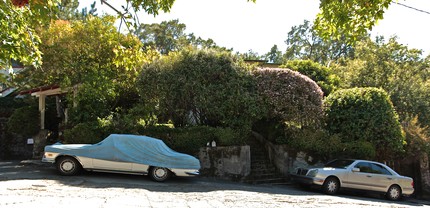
(233, 162)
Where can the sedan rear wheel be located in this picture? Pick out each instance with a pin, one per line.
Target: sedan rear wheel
(159, 174)
(68, 166)
(331, 186)
(394, 192)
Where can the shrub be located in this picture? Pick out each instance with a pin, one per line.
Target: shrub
(191, 139)
(201, 87)
(322, 75)
(24, 121)
(84, 133)
(365, 114)
(290, 96)
(9, 104)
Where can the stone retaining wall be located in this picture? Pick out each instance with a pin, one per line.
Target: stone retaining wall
(232, 162)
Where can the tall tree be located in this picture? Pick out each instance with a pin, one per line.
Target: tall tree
(68, 10)
(92, 57)
(250, 55)
(275, 55)
(400, 71)
(165, 37)
(169, 36)
(303, 42)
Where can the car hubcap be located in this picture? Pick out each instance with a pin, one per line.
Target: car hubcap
(332, 186)
(394, 193)
(160, 173)
(67, 166)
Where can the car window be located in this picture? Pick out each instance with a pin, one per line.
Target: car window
(339, 164)
(364, 167)
(379, 169)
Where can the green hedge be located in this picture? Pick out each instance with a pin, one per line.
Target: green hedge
(187, 140)
(365, 114)
(191, 139)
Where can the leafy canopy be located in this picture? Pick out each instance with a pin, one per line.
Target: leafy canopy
(94, 59)
(348, 18)
(399, 70)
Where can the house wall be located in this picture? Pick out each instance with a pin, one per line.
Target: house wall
(232, 162)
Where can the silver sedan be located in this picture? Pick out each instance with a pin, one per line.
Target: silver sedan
(357, 174)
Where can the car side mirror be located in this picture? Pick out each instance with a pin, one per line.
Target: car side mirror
(355, 169)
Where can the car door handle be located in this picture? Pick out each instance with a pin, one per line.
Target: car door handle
(369, 176)
(390, 178)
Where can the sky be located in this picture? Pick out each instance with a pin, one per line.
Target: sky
(245, 26)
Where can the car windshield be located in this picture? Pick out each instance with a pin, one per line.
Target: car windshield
(339, 164)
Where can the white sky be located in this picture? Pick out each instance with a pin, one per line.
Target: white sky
(243, 25)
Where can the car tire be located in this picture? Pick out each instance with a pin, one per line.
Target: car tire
(68, 166)
(159, 174)
(394, 193)
(331, 185)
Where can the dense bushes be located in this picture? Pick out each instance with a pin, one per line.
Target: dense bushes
(191, 139)
(186, 140)
(24, 121)
(290, 96)
(322, 75)
(200, 88)
(365, 115)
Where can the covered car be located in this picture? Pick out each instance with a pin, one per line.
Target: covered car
(122, 153)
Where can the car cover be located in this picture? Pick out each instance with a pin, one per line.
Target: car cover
(130, 148)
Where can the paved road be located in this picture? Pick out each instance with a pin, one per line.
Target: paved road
(25, 184)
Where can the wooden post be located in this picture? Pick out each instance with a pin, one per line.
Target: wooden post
(42, 108)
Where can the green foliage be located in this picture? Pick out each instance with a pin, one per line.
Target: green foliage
(322, 75)
(169, 36)
(303, 43)
(417, 138)
(348, 18)
(324, 146)
(275, 55)
(9, 104)
(191, 139)
(84, 133)
(92, 59)
(365, 114)
(289, 96)
(68, 10)
(203, 87)
(19, 39)
(24, 121)
(400, 71)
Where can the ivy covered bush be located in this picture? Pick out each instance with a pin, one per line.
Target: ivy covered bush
(201, 87)
(361, 115)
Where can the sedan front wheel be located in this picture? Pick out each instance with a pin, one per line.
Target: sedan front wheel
(331, 185)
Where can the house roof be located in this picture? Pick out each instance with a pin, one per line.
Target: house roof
(44, 90)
